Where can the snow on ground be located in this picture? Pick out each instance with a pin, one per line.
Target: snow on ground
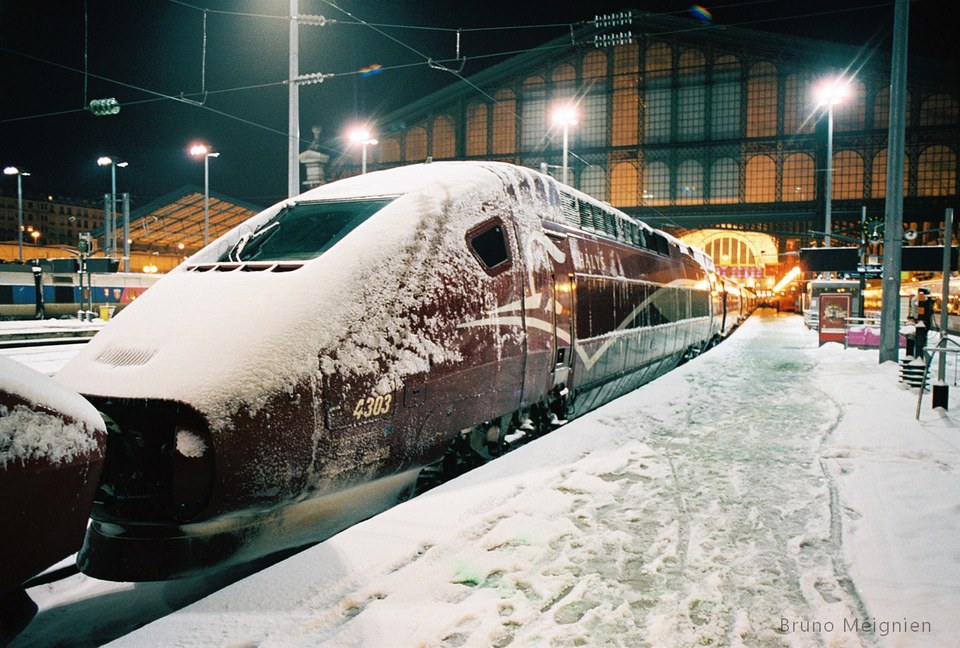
(768, 493)
(45, 359)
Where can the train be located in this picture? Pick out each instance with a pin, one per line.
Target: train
(54, 288)
(52, 444)
(299, 373)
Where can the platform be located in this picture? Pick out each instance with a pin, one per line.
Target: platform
(15, 333)
(768, 492)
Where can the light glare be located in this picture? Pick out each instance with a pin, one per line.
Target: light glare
(832, 92)
(565, 116)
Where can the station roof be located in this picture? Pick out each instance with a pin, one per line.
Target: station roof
(177, 219)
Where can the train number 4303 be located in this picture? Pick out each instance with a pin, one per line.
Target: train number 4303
(372, 406)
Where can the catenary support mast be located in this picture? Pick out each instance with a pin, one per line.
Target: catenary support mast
(893, 225)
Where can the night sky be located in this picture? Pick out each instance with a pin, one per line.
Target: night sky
(146, 52)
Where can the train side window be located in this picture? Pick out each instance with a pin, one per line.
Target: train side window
(609, 223)
(599, 221)
(586, 216)
(641, 237)
(568, 205)
(659, 244)
(490, 246)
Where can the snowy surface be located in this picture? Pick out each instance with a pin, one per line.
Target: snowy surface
(768, 493)
(48, 360)
(50, 327)
(54, 424)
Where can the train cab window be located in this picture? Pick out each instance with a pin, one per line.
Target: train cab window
(490, 246)
(303, 231)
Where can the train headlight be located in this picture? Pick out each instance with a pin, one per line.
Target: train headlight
(189, 444)
(193, 469)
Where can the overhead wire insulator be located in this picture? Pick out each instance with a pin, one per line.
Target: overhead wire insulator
(611, 40)
(317, 77)
(319, 21)
(101, 107)
(618, 19)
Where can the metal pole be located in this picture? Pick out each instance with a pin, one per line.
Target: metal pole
(945, 286)
(113, 207)
(893, 208)
(941, 392)
(20, 215)
(206, 198)
(293, 137)
(363, 158)
(106, 224)
(126, 232)
(565, 154)
(827, 225)
(863, 258)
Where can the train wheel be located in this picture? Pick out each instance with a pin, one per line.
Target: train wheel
(16, 611)
(413, 489)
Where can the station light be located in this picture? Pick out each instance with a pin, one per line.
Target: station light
(20, 173)
(205, 152)
(613, 20)
(362, 137)
(565, 116)
(787, 278)
(830, 92)
(612, 40)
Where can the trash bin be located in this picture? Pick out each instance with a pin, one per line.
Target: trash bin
(106, 312)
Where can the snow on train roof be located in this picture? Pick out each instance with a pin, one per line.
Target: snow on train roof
(222, 340)
(26, 433)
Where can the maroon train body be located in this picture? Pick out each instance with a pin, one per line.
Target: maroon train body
(51, 451)
(298, 374)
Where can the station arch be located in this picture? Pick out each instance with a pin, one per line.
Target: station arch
(739, 255)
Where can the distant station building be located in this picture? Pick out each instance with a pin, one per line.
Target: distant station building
(171, 227)
(161, 233)
(692, 126)
(49, 220)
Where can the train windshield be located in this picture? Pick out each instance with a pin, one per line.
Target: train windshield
(303, 231)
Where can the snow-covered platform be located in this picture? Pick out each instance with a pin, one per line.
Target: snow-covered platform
(19, 332)
(769, 493)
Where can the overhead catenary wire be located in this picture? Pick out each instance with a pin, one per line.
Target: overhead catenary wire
(437, 63)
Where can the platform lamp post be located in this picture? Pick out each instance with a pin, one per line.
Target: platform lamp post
(565, 115)
(20, 173)
(829, 93)
(196, 151)
(110, 224)
(362, 137)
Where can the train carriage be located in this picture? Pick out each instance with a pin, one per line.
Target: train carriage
(298, 373)
(28, 291)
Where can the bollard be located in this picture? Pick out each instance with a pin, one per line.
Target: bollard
(912, 371)
(941, 395)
